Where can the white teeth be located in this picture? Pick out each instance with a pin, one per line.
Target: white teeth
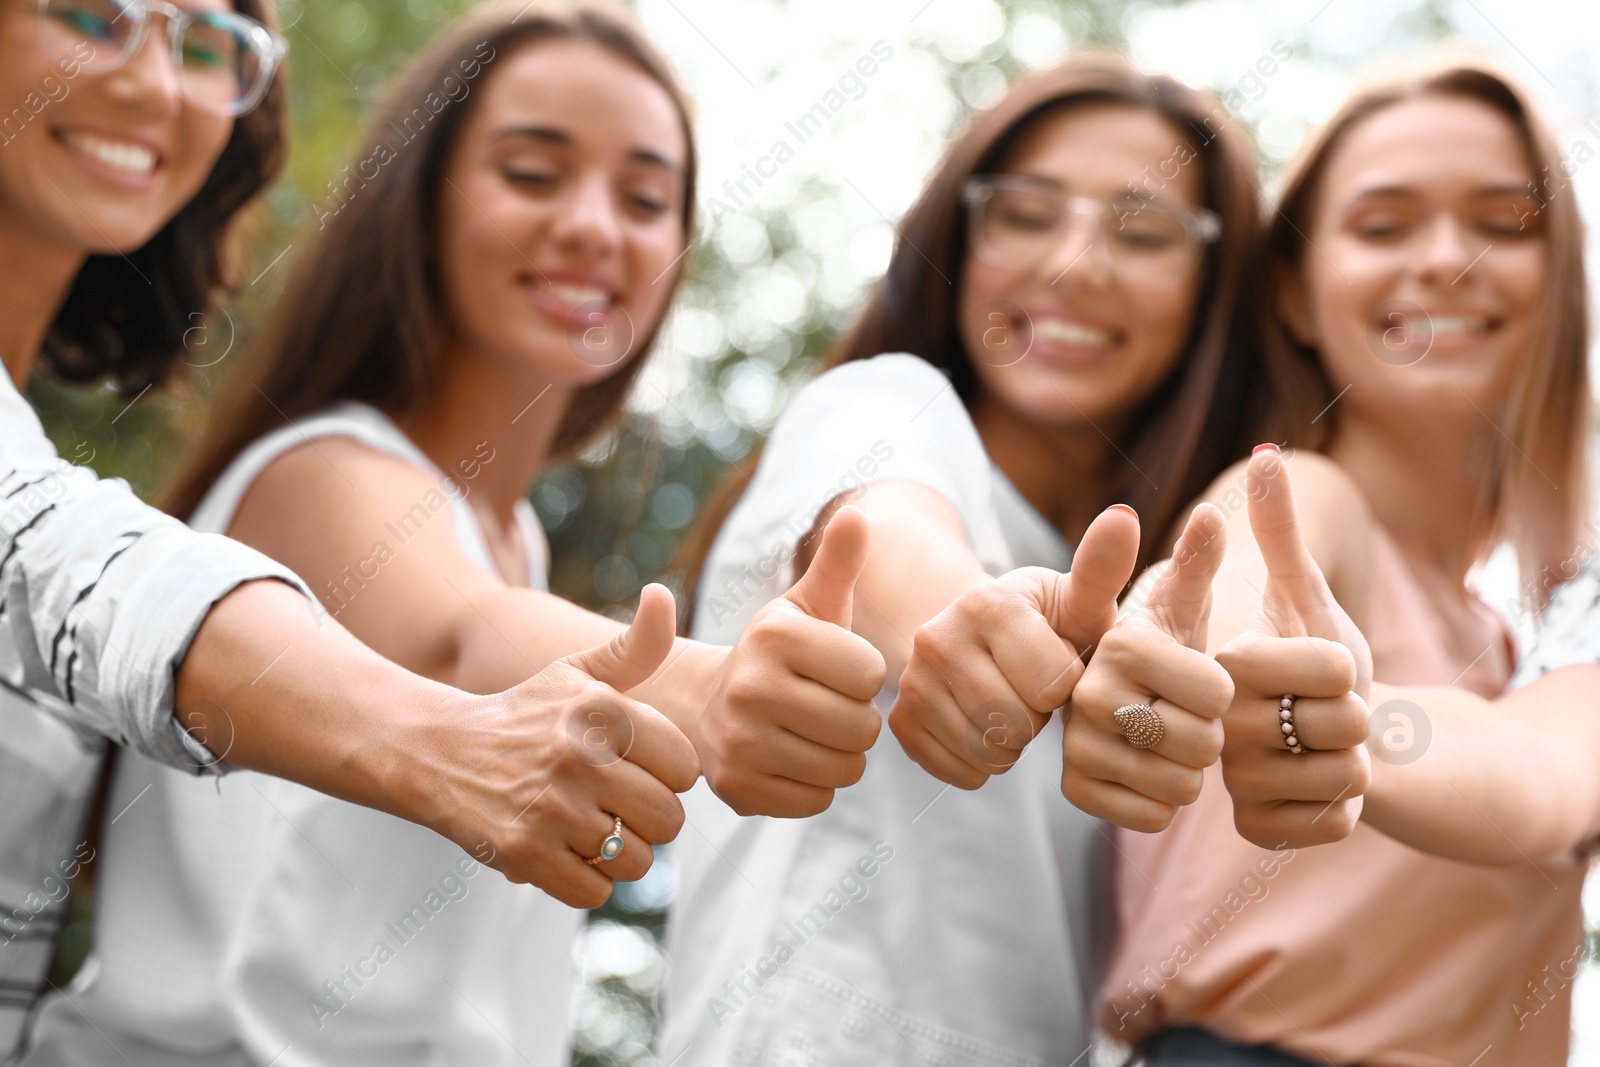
(1458, 324)
(1072, 333)
(577, 295)
(121, 155)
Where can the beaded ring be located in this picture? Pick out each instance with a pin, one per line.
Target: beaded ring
(1286, 721)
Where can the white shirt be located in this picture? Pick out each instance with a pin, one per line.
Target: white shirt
(910, 923)
(100, 596)
(263, 922)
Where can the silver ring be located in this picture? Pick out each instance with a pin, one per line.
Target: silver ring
(1140, 724)
(611, 847)
(1286, 723)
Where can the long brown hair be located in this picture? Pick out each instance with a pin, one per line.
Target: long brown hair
(1536, 494)
(363, 317)
(1193, 424)
(126, 315)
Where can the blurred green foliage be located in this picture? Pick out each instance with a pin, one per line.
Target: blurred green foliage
(617, 517)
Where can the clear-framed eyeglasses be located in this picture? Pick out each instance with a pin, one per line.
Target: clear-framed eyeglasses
(1018, 221)
(224, 60)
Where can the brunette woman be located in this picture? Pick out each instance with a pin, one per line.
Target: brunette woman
(433, 353)
(1051, 337)
(133, 135)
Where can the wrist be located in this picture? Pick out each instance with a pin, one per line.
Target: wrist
(400, 738)
(685, 685)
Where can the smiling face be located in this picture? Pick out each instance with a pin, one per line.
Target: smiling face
(104, 160)
(561, 217)
(1100, 330)
(1427, 262)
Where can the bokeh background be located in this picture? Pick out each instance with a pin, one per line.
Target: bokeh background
(777, 271)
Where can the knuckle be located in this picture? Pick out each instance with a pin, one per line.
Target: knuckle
(744, 688)
(970, 779)
(1077, 746)
(1154, 820)
(735, 789)
(599, 695)
(852, 769)
(928, 643)
(902, 722)
(1091, 692)
(589, 895)
(671, 824)
(1213, 737)
(1072, 787)
(867, 725)
(1188, 787)
(738, 737)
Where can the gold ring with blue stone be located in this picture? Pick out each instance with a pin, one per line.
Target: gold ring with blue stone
(611, 847)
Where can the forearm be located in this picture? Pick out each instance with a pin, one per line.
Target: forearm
(920, 562)
(1502, 783)
(269, 687)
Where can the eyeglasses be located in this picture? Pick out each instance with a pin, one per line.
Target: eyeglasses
(224, 60)
(1018, 221)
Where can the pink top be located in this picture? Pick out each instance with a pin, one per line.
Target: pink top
(1361, 952)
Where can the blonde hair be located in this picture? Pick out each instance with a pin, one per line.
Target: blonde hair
(1537, 492)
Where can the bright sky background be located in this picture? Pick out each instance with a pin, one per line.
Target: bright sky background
(755, 65)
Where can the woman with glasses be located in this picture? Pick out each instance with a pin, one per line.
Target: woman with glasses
(1427, 290)
(1054, 335)
(118, 187)
(479, 307)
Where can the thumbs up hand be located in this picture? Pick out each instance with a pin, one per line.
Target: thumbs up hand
(986, 673)
(1302, 644)
(558, 759)
(792, 716)
(1154, 656)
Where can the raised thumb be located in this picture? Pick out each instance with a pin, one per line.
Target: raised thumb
(1293, 576)
(1181, 600)
(1101, 568)
(827, 590)
(636, 653)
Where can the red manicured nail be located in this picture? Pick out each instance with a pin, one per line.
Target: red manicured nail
(1267, 447)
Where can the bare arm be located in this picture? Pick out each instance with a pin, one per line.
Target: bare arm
(780, 720)
(271, 688)
(1501, 782)
(919, 563)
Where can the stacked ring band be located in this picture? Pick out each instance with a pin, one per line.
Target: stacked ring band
(1140, 724)
(611, 847)
(1286, 722)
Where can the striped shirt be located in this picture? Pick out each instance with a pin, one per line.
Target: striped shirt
(100, 596)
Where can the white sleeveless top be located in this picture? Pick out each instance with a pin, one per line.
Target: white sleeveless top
(911, 923)
(250, 920)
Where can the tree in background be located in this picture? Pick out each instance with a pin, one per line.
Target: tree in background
(762, 302)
